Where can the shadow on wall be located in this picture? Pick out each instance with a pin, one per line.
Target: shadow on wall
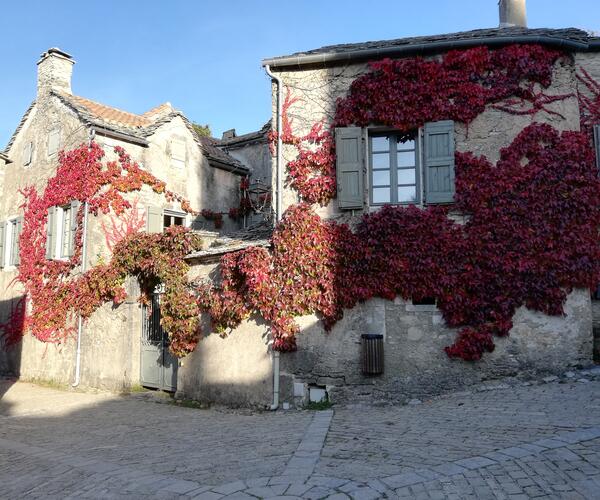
(11, 331)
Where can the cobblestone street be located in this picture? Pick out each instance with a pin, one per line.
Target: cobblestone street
(539, 440)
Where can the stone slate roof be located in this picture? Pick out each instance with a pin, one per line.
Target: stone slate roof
(210, 148)
(244, 139)
(573, 36)
(19, 127)
(258, 235)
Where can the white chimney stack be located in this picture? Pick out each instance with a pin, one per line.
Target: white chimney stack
(55, 68)
(513, 13)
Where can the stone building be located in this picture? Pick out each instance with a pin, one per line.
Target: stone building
(163, 141)
(414, 332)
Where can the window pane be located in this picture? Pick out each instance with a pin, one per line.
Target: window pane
(66, 225)
(381, 160)
(381, 177)
(407, 194)
(406, 176)
(381, 195)
(380, 144)
(406, 158)
(402, 146)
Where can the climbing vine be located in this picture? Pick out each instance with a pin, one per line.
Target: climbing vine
(58, 292)
(530, 237)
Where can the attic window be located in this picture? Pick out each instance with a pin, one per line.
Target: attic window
(27, 153)
(178, 153)
(53, 142)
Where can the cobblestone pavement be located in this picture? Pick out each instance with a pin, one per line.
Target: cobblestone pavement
(540, 440)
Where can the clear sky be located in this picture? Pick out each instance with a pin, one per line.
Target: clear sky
(205, 56)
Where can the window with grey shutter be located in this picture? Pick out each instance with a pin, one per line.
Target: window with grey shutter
(178, 153)
(51, 233)
(72, 228)
(438, 143)
(16, 226)
(349, 167)
(27, 153)
(154, 220)
(2, 240)
(597, 146)
(53, 141)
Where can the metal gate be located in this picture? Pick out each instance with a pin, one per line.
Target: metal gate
(158, 365)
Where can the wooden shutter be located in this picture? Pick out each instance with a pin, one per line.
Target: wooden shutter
(154, 220)
(53, 141)
(17, 237)
(597, 146)
(51, 233)
(2, 240)
(73, 231)
(27, 153)
(178, 150)
(439, 162)
(349, 167)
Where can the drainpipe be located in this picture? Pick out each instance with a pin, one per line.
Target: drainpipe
(80, 319)
(278, 213)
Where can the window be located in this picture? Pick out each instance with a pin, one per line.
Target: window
(178, 153)
(170, 219)
(53, 142)
(27, 153)
(394, 173)
(61, 229)
(10, 232)
(398, 169)
(157, 219)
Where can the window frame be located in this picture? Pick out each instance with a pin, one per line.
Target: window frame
(174, 214)
(393, 135)
(28, 154)
(50, 133)
(176, 160)
(8, 251)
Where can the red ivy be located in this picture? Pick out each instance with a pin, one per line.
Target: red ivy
(56, 291)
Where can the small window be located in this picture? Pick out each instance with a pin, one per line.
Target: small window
(173, 220)
(53, 142)
(178, 153)
(9, 242)
(394, 173)
(27, 153)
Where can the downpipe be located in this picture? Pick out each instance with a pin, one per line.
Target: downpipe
(278, 214)
(80, 319)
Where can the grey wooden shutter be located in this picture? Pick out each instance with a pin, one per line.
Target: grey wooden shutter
(597, 146)
(17, 253)
(349, 167)
(51, 233)
(2, 240)
(154, 220)
(27, 153)
(73, 231)
(53, 142)
(439, 161)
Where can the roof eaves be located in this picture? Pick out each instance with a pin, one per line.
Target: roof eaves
(426, 45)
(19, 127)
(5, 158)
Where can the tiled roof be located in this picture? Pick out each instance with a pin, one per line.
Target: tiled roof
(567, 36)
(137, 127)
(111, 115)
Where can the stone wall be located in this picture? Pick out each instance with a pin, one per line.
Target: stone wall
(416, 365)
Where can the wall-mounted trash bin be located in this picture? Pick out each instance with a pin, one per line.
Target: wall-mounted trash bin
(372, 354)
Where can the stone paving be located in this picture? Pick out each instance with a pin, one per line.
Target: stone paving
(502, 440)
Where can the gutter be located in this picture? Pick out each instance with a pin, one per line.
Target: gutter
(278, 212)
(425, 48)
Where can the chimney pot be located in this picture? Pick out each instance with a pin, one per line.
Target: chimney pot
(55, 69)
(513, 13)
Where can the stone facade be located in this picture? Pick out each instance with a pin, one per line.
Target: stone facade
(111, 340)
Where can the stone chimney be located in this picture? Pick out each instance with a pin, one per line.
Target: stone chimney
(55, 68)
(513, 13)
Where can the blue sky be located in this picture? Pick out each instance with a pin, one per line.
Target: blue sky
(204, 56)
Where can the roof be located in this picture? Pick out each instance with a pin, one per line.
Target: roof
(567, 38)
(258, 136)
(135, 128)
(5, 158)
(255, 236)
